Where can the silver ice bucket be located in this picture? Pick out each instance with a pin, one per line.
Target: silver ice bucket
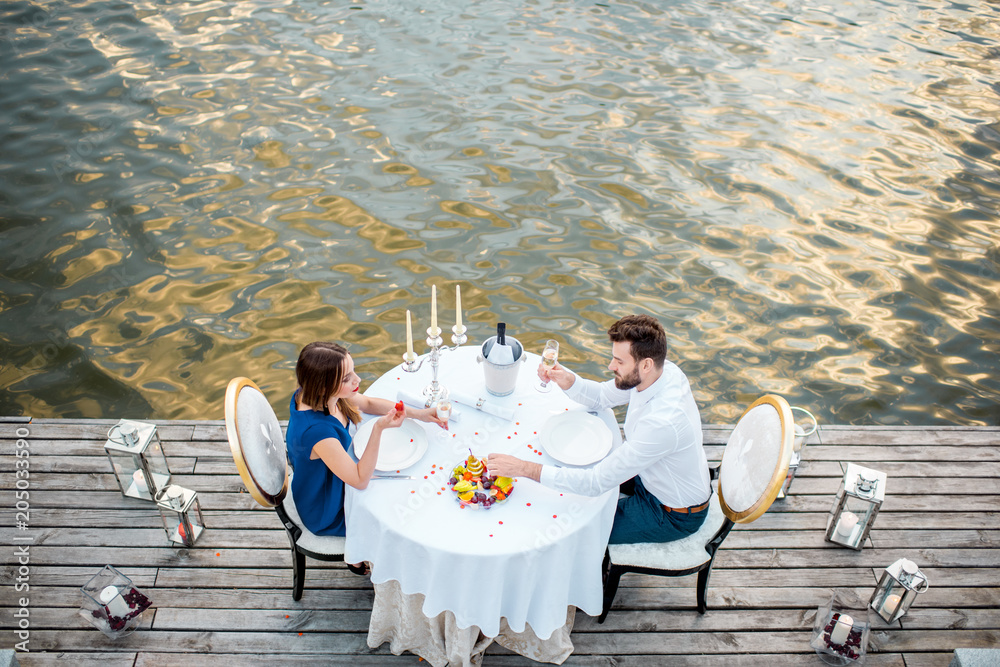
(501, 378)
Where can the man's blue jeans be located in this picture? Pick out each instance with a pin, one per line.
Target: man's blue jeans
(641, 518)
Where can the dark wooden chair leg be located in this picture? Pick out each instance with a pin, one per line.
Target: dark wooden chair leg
(702, 592)
(298, 574)
(610, 589)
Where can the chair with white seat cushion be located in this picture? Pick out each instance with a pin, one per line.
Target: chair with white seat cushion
(258, 449)
(754, 465)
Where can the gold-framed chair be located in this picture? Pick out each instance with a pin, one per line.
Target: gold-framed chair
(753, 468)
(258, 448)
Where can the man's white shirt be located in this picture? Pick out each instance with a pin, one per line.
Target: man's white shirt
(663, 442)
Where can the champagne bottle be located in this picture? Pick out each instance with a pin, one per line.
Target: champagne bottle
(501, 333)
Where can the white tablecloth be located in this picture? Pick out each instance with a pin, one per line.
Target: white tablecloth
(525, 561)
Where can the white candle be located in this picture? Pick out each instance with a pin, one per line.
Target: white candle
(434, 308)
(140, 482)
(409, 339)
(115, 603)
(846, 524)
(842, 629)
(890, 604)
(458, 307)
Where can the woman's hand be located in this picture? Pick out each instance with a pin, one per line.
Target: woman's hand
(429, 415)
(392, 419)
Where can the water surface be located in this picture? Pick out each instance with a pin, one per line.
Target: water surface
(804, 193)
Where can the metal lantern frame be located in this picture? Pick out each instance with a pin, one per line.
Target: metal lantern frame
(802, 433)
(134, 447)
(861, 493)
(897, 589)
(181, 514)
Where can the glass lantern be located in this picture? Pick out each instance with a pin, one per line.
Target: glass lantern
(897, 589)
(802, 432)
(858, 502)
(112, 604)
(181, 513)
(841, 630)
(137, 459)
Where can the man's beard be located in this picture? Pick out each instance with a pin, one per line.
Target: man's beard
(630, 382)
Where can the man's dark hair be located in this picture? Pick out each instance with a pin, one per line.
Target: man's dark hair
(645, 336)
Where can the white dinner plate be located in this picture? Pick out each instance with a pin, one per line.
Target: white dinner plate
(576, 438)
(400, 447)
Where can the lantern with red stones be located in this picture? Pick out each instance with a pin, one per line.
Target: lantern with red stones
(112, 604)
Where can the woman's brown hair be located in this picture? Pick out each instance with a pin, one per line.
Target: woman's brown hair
(320, 373)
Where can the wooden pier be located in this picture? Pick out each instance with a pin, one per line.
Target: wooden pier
(227, 601)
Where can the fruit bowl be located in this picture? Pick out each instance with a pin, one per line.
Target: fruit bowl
(475, 488)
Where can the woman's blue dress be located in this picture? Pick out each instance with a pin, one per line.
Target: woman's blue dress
(318, 493)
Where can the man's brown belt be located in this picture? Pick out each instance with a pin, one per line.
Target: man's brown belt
(688, 510)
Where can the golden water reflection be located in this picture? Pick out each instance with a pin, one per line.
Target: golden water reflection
(807, 201)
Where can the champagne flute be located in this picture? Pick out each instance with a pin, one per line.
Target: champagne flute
(444, 411)
(549, 356)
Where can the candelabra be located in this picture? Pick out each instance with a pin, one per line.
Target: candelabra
(435, 391)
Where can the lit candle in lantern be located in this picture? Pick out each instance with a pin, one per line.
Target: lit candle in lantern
(140, 482)
(842, 629)
(458, 307)
(846, 524)
(410, 356)
(113, 602)
(434, 308)
(890, 604)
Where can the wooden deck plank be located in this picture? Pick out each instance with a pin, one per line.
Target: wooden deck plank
(227, 601)
(898, 492)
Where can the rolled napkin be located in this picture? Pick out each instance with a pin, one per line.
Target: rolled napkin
(418, 401)
(487, 405)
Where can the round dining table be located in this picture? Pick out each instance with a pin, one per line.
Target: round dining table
(450, 579)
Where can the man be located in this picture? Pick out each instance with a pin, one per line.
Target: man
(662, 450)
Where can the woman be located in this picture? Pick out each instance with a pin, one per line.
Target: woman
(323, 409)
